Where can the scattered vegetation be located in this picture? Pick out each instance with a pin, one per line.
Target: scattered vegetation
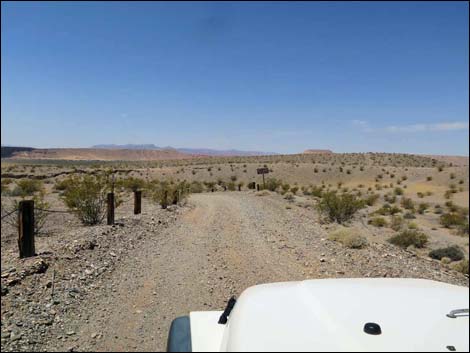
(408, 238)
(452, 252)
(349, 237)
(339, 208)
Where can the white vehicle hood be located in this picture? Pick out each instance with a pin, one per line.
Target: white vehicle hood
(329, 315)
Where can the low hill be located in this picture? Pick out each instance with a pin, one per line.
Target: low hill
(311, 151)
(99, 154)
(9, 151)
(197, 151)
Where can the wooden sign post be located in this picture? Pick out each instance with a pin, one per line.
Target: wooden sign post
(263, 171)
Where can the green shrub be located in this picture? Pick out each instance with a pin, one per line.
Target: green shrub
(452, 252)
(131, 184)
(231, 186)
(339, 208)
(422, 207)
(289, 196)
(407, 204)
(409, 237)
(371, 199)
(349, 237)
(378, 222)
(398, 191)
(195, 187)
(396, 223)
(294, 189)
(409, 215)
(387, 209)
(27, 187)
(461, 267)
(449, 220)
(252, 185)
(272, 184)
(86, 196)
(285, 188)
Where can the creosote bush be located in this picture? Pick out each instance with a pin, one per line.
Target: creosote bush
(27, 187)
(452, 252)
(378, 222)
(349, 237)
(448, 220)
(461, 266)
(86, 196)
(339, 208)
(409, 237)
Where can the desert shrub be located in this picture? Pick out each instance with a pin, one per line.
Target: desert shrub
(387, 209)
(294, 189)
(409, 215)
(398, 191)
(317, 191)
(5, 182)
(231, 186)
(462, 229)
(452, 176)
(371, 199)
(378, 222)
(86, 196)
(409, 237)
(396, 223)
(272, 184)
(349, 237)
(390, 198)
(240, 185)
(233, 178)
(195, 187)
(461, 266)
(412, 225)
(407, 204)
(27, 187)
(131, 183)
(429, 178)
(252, 185)
(339, 208)
(422, 207)
(451, 219)
(285, 188)
(210, 185)
(452, 252)
(289, 196)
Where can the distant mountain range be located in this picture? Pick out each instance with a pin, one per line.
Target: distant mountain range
(196, 151)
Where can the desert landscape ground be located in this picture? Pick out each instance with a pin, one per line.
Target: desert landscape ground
(117, 287)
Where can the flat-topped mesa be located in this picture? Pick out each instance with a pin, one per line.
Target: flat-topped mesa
(311, 151)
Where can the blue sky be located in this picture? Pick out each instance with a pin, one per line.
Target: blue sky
(283, 77)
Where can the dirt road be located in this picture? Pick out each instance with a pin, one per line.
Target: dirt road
(223, 244)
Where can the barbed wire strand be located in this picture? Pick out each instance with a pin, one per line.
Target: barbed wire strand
(9, 214)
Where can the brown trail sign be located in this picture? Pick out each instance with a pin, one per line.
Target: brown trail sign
(263, 171)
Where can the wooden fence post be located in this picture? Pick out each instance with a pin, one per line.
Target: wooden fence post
(110, 208)
(257, 187)
(26, 228)
(137, 201)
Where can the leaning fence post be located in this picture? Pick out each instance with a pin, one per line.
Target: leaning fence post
(110, 208)
(26, 228)
(137, 201)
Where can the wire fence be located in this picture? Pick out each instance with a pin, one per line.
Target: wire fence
(9, 214)
(52, 211)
